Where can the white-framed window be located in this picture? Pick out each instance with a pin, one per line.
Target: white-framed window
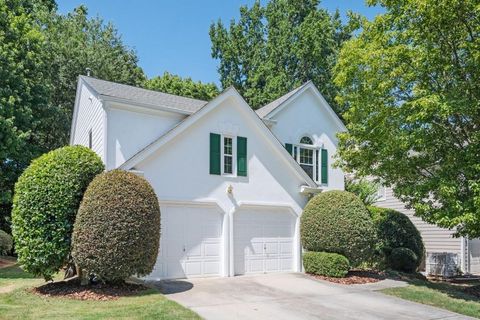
(381, 193)
(228, 155)
(308, 156)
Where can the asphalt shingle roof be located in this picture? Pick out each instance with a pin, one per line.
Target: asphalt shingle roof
(139, 95)
(266, 109)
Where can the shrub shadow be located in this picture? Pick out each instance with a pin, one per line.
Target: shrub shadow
(173, 286)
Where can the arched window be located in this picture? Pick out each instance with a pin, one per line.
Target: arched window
(306, 140)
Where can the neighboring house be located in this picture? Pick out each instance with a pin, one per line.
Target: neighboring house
(231, 182)
(436, 239)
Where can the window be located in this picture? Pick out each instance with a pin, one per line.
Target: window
(90, 139)
(310, 159)
(381, 193)
(306, 140)
(228, 164)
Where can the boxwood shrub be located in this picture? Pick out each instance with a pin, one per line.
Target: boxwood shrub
(395, 230)
(117, 231)
(403, 259)
(338, 222)
(46, 200)
(326, 264)
(6, 243)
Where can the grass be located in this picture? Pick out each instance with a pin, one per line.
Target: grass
(18, 303)
(439, 294)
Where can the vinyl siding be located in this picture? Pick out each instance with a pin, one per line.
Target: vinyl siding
(435, 239)
(90, 115)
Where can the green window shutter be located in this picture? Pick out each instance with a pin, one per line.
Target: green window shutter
(289, 147)
(242, 156)
(215, 153)
(324, 166)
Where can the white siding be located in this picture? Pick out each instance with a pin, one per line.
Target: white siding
(435, 239)
(90, 116)
(130, 131)
(305, 116)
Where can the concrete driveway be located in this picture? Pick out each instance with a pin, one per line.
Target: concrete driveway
(293, 296)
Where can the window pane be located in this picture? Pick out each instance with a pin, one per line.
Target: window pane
(306, 140)
(306, 156)
(227, 164)
(227, 145)
(308, 169)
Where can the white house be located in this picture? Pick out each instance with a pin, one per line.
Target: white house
(231, 182)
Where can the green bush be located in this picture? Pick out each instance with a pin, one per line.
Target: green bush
(403, 259)
(117, 231)
(326, 264)
(6, 243)
(395, 230)
(338, 222)
(46, 200)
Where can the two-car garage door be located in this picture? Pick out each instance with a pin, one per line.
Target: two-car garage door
(193, 242)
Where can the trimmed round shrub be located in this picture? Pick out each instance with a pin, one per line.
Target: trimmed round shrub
(117, 231)
(395, 230)
(6, 243)
(326, 264)
(338, 222)
(403, 259)
(46, 200)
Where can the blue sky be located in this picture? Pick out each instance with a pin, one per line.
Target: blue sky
(173, 35)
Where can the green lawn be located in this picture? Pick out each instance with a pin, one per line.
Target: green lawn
(17, 303)
(439, 294)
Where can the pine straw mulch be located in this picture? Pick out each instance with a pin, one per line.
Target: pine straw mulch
(100, 292)
(473, 291)
(355, 277)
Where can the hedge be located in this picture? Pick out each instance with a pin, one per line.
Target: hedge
(46, 200)
(395, 230)
(403, 259)
(338, 222)
(117, 231)
(326, 264)
(6, 243)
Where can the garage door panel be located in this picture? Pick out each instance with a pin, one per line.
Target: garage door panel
(191, 242)
(263, 241)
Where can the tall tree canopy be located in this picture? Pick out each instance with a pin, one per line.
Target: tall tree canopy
(411, 81)
(23, 92)
(272, 49)
(185, 87)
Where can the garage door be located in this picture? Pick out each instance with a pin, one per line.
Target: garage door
(263, 241)
(474, 251)
(191, 242)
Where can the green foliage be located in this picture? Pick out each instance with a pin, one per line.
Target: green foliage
(411, 83)
(23, 94)
(338, 222)
(184, 87)
(364, 189)
(274, 48)
(6, 243)
(117, 231)
(47, 197)
(403, 259)
(326, 264)
(395, 230)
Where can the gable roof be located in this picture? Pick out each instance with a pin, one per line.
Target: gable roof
(266, 109)
(187, 122)
(143, 96)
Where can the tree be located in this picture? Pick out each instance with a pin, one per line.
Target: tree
(23, 94)
(274, 48)
(185, 87)
(365, 189)
(75, 43)
(411, 81)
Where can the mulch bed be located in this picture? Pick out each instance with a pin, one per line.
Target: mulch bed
(100, 292)
(7, 262)
(473, 291)
(355, 277)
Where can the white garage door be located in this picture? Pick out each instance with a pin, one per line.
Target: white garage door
(191, 242)
(263, 241)
(474, 251)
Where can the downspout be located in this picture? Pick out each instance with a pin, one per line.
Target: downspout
(463, 251)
